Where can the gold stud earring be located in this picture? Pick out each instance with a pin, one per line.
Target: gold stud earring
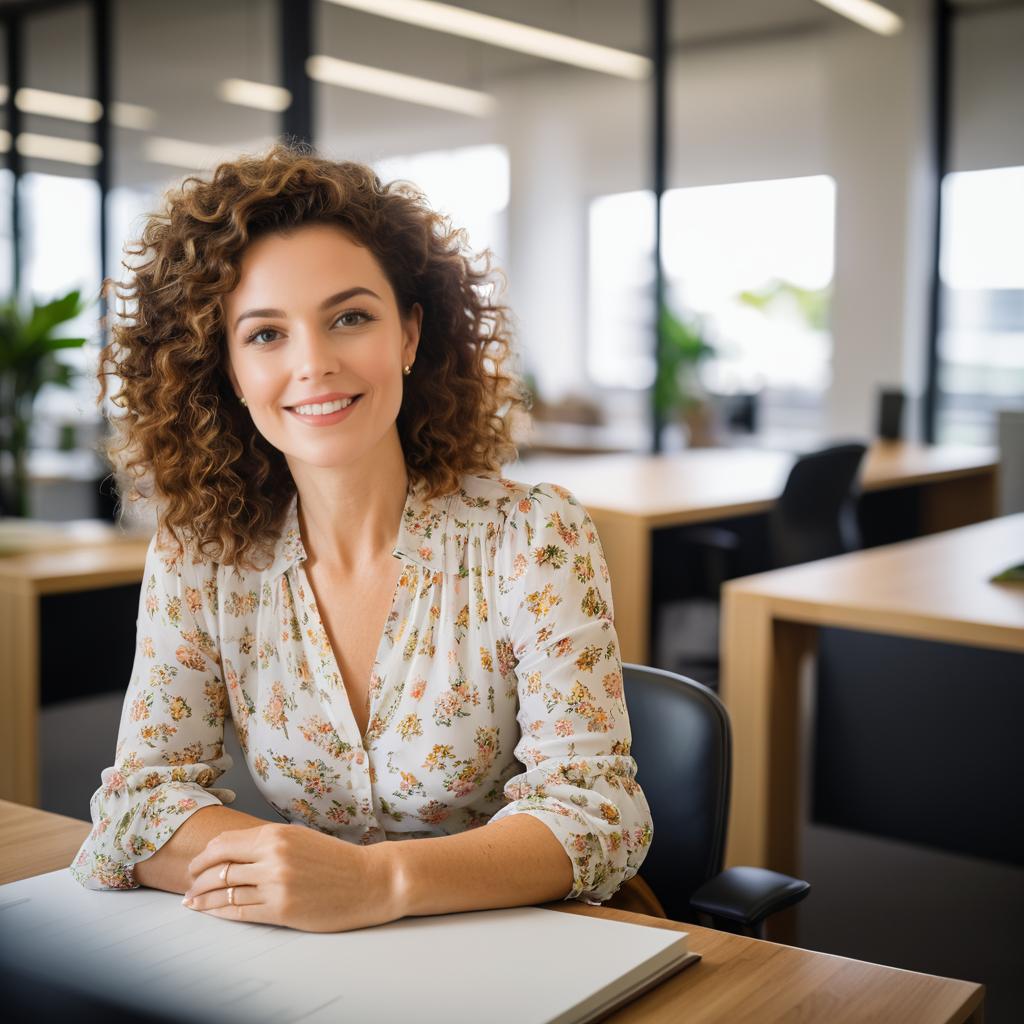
(241, 398)
(407, 370)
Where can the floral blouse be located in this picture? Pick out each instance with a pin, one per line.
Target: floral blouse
(496, 690)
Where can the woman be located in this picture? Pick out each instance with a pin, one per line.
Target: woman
(315, 390)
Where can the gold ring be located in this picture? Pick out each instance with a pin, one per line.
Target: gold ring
(231, 895)
(224, 872)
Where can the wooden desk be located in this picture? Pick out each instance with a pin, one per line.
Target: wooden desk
(628, 496)
(738, 979)
(931, 588)
(23, 580)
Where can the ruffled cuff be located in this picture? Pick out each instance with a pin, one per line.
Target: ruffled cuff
(133, 817)
(606, 838)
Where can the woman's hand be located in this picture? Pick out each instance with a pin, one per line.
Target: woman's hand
(293, 876)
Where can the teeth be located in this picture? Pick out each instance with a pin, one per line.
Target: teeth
(324, 408)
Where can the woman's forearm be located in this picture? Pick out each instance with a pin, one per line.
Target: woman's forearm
(514, 862)
(167, 869)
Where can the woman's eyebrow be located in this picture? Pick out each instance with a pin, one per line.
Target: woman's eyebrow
(331, 300)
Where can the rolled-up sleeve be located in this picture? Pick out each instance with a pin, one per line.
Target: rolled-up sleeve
(170, 743)
(579, 777)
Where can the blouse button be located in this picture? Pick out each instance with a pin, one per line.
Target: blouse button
(360, 757)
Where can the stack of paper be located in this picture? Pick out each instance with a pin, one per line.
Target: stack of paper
(142, 948)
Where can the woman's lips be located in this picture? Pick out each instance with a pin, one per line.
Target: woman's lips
(330, 418)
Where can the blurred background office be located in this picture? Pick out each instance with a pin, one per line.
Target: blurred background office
(798, 215)
(754, 224)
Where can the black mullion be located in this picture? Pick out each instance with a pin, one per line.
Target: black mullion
(103, 75)
(941, 74)
(14, 161)
(295, 18)
(659, 53)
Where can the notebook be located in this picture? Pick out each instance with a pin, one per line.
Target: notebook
(142, 949)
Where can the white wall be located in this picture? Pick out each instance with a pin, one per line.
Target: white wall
(879, 151)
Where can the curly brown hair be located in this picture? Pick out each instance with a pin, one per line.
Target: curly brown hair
(184, 441)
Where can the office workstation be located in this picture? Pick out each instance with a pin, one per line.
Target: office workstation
(628, 401)
(740, 975)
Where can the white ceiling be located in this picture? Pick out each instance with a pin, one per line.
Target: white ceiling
(170, 57)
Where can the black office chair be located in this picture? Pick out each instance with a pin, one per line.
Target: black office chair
(815, 517)
(683, 748)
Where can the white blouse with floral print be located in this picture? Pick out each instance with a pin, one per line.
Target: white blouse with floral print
(496, 690)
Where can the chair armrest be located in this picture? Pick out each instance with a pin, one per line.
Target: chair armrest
(748, 895)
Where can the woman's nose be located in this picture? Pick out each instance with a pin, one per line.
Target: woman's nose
(316, 353)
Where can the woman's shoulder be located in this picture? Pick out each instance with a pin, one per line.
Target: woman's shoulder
(507, 515)
(499, 499)
(170, 555)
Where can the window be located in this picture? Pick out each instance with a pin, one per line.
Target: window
(471, 185)
(60, 225)
(981, 338)
(753, 261)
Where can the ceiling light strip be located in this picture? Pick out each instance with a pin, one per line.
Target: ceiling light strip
(867, 14)
(58, 104)
(63, 105)
(245, 93)
(50, 147)
(181, 153)
(509, 35)
(396, 86)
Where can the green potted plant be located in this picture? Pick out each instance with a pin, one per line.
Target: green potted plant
(811, 305)
(677, 388)
(28, 345)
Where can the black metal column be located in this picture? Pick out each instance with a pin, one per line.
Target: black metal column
(296, 24)
(941, 70)
(103, 77)
(14, 162)
(659, 54)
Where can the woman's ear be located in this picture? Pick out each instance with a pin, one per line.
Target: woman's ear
(412, 325)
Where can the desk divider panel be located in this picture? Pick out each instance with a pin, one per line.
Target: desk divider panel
(920, 741)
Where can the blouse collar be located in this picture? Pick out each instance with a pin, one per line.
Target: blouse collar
(422, 534)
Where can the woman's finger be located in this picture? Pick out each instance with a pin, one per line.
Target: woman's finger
(238, 902)
(236, 845)
(220, 876)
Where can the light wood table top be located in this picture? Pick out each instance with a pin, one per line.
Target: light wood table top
(87, 567)
(738, 979)
(629, 496)
(701, 484)
(931, 588)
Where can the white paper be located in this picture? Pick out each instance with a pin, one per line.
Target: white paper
(520, 965)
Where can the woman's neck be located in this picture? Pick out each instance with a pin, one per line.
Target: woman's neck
(350, 517)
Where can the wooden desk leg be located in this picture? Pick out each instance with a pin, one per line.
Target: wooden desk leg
(19, 694)
(760, 687)
(626, 541)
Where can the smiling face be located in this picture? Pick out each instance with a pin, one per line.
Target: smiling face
(316, 344)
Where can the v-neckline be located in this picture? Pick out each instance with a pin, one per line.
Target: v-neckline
(329, 646)
(314, 608)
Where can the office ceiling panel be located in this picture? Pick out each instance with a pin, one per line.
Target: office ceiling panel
(170, 58)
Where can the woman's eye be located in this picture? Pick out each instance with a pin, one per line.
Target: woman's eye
(352, 318)
(256, 336)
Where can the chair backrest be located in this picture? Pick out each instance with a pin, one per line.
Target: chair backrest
(816, 516)
(682, 746)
